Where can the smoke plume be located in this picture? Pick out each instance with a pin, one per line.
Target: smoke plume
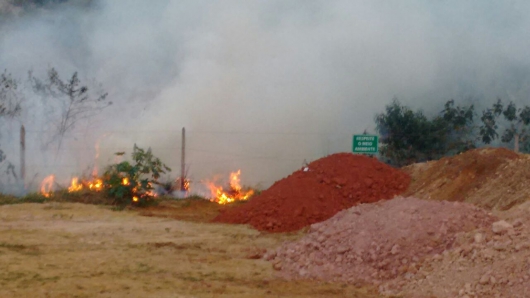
(259, 85)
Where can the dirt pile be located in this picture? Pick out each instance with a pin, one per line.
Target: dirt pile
(491, 262)
(468, 177)
(506, 187)
(317, 192)
(374, 243)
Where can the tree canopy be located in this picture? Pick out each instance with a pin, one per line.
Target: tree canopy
(516, 124)
(409, 136)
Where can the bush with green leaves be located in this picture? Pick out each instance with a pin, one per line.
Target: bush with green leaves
(132, 183)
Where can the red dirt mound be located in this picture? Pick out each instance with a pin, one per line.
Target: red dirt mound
(329, 185)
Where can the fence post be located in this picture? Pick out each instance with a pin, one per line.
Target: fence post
(23, 154)
(183, 162)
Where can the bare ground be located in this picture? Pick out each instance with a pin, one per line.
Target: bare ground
(492, 178)
(77, 250)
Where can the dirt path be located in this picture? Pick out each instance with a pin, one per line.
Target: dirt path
(76, 250)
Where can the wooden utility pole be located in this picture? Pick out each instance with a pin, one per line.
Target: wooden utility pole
(183, 162)
(22, 153)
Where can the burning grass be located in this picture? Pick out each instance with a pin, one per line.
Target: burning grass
(122, 185)
(87, 191)
(234, 193)
(135, 184)
(127, 183)
(84, 196)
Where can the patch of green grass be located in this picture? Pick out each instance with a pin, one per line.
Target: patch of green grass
(188, 277)
(39, 278)
(196, 198)
(62, 216)
(30, 198)
(64, 196)
(193, 197)
(8, 276)
(118, 208)
(143, 268)
(20, 248)
(83, 196)
(15, 247)
(165, 198)
(56, 206)
(86, 197)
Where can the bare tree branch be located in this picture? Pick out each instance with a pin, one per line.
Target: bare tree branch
(75, 101)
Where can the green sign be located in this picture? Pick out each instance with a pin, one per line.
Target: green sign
(365, 144)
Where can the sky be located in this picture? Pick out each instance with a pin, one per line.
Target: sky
(261, 86)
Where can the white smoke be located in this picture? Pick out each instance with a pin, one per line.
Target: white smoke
(263, 85)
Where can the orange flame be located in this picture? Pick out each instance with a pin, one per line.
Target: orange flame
(75, 185)
(151, 192)
(96, 185)
(135, 199)
(47, 185)
(186, 184)
(235, 181)
(125, 181)
(96, 158)
(234, 194)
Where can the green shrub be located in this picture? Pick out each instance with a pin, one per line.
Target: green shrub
(132, 183)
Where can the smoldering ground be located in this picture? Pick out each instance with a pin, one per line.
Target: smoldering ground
(260, 86)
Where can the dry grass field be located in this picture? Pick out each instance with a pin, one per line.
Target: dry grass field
(78, 250)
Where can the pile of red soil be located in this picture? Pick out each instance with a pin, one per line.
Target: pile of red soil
(317, 192)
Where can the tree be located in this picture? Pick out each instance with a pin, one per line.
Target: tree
(516, 129)
(461, 128)
(74, 101)
(488, 130)
(404, 134)
(409, 136)
(10, 99)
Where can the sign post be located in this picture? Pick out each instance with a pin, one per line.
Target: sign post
(365, 144)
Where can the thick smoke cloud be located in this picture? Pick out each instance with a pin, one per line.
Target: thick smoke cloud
(263, 85)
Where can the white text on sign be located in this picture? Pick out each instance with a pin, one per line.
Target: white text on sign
(362, 138)
(365, 143)
(367, 149)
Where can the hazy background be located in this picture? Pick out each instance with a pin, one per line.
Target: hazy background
(259, 85)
